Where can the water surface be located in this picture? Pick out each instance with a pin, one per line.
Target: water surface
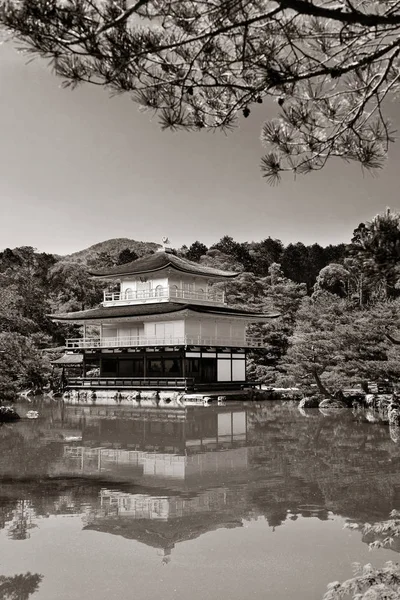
(217, 502)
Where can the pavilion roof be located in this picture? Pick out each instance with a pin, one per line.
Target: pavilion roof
(69, 359)
(157, 262)
(166, 534)
(162, 308)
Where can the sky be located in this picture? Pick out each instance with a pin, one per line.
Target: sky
(80, 167)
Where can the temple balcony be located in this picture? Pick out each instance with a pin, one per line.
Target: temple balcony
(163, 294)
(142, 341)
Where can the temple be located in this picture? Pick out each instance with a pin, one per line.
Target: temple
(166, 327)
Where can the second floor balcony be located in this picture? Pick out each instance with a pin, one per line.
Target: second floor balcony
(163, 294)
(143, 341)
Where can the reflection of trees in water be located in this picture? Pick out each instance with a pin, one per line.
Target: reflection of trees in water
(24, 452)
(349, 466)
(6, 511)
(310, 466)
(24, 457)
(22, 520)
(19, 587)
(30, 501)
(297, 465)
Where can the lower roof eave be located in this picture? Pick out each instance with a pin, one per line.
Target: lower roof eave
(168, 316)
(161, 310)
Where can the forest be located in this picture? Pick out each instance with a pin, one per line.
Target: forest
(339, 305)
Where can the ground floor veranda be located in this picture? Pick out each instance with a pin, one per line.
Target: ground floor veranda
(158, 369)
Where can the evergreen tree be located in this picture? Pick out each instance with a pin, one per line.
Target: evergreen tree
(368, 582)
(335, 253)
(330, 66)
(334, 279)
(336, 343)
(24, 273)
(22, 364)
(126, 256)
(284, 296)
(239, 252)
(219, 260)
(376, 246)
(196, 251)
(316, 260)
(101, 260)
(264, 254)
(72, 288)
(295, 262)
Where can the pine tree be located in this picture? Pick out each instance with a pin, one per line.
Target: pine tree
(336, 344)
(329, 66)
(376, 246)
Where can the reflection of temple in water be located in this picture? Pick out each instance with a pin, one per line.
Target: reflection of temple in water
(185, 469)
(204, 443)
(162, 477)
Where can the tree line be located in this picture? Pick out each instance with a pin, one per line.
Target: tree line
(339, 305)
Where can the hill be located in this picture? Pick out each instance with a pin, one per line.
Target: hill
(111, 247)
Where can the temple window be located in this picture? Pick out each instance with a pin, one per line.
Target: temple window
(159, 291)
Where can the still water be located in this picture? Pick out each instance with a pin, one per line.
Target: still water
(231, 502)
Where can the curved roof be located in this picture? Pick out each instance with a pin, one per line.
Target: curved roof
(157, 262)
(69, 359)
(161, 534)
(143, 310)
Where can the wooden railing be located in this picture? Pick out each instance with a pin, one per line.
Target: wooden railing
(131, 382)
(142, 341)
(168, 293)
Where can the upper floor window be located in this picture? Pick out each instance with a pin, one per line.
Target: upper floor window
(159, 291)
(173, 290)
(143, 288)
(128, 294)
(188, 289)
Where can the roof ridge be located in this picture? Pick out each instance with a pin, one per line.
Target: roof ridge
(158, 261)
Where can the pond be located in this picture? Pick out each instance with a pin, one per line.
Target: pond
(233, 502)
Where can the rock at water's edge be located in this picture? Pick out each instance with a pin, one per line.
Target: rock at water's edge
(311, 402)
(8, 413)
(336, 404)
(394, 414)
